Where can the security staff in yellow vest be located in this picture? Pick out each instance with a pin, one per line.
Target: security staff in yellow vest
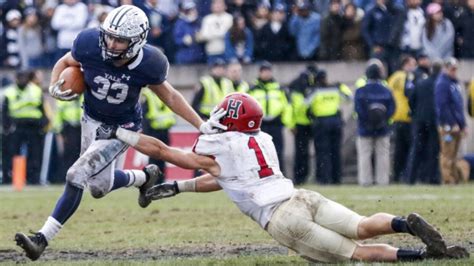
(24, 120)
(234, 74)
(300, 89)
(157, 123)
(212, 89)
(277, 111)
(325, 111)
(401, 85)
(67, 125)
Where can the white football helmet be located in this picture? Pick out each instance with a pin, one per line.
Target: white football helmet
(124, 22)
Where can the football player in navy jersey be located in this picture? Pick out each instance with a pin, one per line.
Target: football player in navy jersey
(116, 64)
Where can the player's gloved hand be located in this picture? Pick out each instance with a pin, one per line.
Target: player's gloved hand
(164, 190)
(56, 92)
(106, 132)
(212, 125)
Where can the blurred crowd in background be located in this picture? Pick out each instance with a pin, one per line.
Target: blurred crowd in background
(35, 33)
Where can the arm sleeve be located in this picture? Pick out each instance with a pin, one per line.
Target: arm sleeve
(77, 50)
(208, 145)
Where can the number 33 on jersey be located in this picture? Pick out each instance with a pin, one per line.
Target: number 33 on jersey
(113, 92)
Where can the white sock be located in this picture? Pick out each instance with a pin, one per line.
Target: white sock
(50, 228)
(137, 177)
(187, 185)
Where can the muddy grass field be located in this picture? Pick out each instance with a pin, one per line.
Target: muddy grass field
(207, 229)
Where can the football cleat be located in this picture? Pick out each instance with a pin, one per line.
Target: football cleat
(153, 173)
(32, 245)
(457, 252)
(435, 245)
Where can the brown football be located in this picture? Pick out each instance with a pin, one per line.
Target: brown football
(73, 79)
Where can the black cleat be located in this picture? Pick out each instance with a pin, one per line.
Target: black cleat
(32, 245)
(153, 173)
(435, 245)
(457, 252)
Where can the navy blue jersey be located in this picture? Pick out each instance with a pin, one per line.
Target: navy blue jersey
(113, 92)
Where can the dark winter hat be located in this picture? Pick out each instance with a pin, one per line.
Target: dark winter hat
(265, 65)
(218, 62)
(373, 71)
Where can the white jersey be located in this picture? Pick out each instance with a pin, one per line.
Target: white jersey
(250, 172)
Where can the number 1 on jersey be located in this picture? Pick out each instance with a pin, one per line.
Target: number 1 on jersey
(264, 169)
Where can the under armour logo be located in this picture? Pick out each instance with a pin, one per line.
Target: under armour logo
(233, 108)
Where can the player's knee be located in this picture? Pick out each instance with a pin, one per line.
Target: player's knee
(97, 192)
(72, 176)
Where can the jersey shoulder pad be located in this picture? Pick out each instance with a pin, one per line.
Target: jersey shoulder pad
(210, 144)
(86, 45)
(155, 65)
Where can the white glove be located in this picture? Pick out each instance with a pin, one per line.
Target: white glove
(56, 92)
(212, 125)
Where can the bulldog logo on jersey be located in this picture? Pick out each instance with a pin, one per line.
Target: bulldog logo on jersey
(233, 107)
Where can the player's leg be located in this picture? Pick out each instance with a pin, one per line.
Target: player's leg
(65, 207)
(342, 220)
(292, 225)
(384, 252)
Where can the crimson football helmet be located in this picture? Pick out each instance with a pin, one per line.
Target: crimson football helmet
(244, 113)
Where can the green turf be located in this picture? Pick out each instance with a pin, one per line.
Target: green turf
(195, 221)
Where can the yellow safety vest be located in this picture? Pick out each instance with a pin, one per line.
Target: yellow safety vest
(213, 93)
(326, 101)
(26, 103)
(300, 109)
(273, 101)
(69, 112)
(397, 84)
(159, 114)
(242, 87)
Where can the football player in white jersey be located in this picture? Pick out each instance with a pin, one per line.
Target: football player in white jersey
(243, 162)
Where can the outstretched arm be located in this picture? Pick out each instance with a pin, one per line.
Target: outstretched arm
(157, 149)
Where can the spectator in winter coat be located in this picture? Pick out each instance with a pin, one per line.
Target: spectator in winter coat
(305, 27)
(353, 47)
(382, 29)
(374, 105)
(450, 119)
(69, 19)
(213, 29)
(188, 50)
(423, 160)
(466, 28)
(30, 42)
(9, 44)
(331, 33)
(273, 42)
(413, 28)
(239, 42)
(438, 35)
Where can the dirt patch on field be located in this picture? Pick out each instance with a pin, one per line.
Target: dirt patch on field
(160, 253)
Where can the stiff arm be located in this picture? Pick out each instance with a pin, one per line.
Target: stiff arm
(155, 148)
